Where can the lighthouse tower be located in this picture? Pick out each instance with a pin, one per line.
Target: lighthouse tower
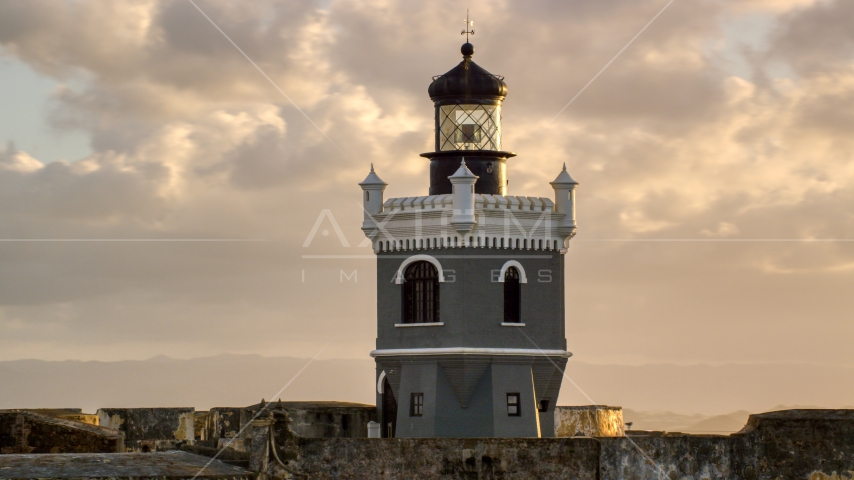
(471, 335)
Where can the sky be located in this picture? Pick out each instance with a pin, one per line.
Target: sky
(156, 190)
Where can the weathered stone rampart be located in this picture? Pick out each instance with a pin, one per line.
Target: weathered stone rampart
(443, 458)
(151, 429)
(119, 466)
(588, 421)
(23, 431)
(810, 444)
(73, 414)
(666, 456)
(794, 444)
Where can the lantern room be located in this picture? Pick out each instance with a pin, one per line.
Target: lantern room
(467, 101)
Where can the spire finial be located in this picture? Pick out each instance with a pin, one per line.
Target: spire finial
(372, 167)
(463, 163)
(469, 24)
(564, 167)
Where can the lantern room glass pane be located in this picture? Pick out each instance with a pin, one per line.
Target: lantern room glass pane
(469, 127)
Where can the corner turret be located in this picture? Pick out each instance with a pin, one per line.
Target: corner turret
(372, 201)
(564, 187)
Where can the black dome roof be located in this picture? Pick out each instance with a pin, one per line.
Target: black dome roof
(467, 80)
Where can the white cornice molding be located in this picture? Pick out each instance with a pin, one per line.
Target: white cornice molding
(427, 222)
(526, 352)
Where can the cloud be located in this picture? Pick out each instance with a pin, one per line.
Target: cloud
(817, 38)
(724, 229)
(11, 160)
(191, 142)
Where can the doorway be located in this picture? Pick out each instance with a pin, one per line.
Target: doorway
(389, 425)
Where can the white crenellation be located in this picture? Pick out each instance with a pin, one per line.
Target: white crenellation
(564, 187)
(505, 222)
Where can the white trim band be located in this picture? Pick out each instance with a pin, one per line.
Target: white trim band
(527, 352)
(513, 263)
(401, 270)
(431, 324)
(380, 383)
(509, 324)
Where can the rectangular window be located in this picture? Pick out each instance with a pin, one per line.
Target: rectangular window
(514, 407)
(416, 405)
(544, 406)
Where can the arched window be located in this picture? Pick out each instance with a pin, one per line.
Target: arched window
(512, 296)
(421, 293)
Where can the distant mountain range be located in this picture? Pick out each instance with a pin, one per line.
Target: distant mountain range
(675, 422)
(708, 398)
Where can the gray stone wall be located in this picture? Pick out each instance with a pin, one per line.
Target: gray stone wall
(24, 432)
(514, 378)
(222, 422)
(151, 429)
(451, 412)
(666, 456)
(419, 377)
(475, 420)
(588, 421)
(445, 459)
(797, 444)
(319, 419)
(466, 395)
(472, 301)
(809, 444)
(337, 420)
(119, 466)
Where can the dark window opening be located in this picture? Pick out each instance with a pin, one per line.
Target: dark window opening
(514, 407)
(421, 293)
(512, 296)
(416, 405)
(468, 133)
(543, 406)
(345, 422)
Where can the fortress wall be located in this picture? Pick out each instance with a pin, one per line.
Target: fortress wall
(23, 431)
(794, 444)
(151, 429)
(665, 456)
(589, 421)
(807, 444)
(445, 458)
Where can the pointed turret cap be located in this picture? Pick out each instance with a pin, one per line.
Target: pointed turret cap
(563, 179)
(372, 179)
(463, 173)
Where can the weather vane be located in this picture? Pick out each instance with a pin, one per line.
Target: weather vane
(469, 24)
